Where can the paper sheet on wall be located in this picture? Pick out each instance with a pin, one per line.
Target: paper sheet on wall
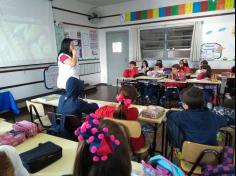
(93, 42)
(86, 52)
(85, 39)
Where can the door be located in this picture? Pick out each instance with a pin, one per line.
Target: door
(117, 54)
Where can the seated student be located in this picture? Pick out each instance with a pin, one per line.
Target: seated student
(126, 96)
(10, 162)
(205, 72)
(106, 154)
(71, 104)
(159, 61)
(184, 66)
(131, 71)
(144, 67)
(176, 75)
(233, 70)
(203, 63)
(158, 69)
(195, 123)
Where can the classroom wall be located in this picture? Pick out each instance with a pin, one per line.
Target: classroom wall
(68, 17)
(148, 4)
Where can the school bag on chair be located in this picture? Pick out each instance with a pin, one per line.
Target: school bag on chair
(58, 126)
(160, 166)
(226, 167)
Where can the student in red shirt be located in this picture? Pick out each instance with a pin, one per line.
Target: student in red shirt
(125, 97)
(176, 75)
(184, 66)
(205, 72)
(131, 71)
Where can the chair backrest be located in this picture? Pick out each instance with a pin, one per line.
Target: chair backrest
(133, 127)
(64, 127)
(39, 107)
(191, 151)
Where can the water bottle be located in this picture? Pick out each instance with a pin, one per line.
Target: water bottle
(209, 106)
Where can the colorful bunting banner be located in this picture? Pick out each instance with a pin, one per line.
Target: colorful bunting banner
(182, 9)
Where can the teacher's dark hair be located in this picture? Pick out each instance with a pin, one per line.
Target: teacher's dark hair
(65, 46)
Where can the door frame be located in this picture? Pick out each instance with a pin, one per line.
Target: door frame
(125, 30)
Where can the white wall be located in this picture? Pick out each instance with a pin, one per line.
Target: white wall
(149, 4)
(73, 5)
(61, 16)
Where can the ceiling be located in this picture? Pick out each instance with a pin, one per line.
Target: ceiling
(103, 2)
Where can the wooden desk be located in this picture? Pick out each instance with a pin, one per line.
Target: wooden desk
(203, 81)
(60, 167)
(149, 78)
(5, 126)
(119, 79)
(63, 166)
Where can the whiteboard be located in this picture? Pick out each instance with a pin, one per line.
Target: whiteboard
(27, 33)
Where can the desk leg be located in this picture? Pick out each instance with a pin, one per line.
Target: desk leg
(163, 139)
(154, 141)
(166, 145)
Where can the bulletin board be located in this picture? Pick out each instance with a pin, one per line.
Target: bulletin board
(86, 42)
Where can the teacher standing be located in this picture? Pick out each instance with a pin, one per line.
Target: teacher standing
(67, 63)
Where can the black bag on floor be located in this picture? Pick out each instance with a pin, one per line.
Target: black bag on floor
(41, 156)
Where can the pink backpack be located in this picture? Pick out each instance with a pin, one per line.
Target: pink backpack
(12, 138)
(30, 129)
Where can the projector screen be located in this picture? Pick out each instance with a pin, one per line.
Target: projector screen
(27, 34)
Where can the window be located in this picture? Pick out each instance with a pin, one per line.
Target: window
(117, 47)
(174, 42)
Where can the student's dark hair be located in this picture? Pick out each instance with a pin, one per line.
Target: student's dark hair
(159, 65)
(118, 162)
(159, 61)
(6, 166)
(185, 62)
(146, 63)
(132, 63)
(177, 66)
(233, 69)
(193, 97)
(65, 46)
(129, 92)
(208, 70)
(204, 62)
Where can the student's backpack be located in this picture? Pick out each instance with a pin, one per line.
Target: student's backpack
(170, 99)
(153, 112)
(228, 113)
(58, 126)
(30, 129)
(12, 138)
(226, 167)
(160, 166)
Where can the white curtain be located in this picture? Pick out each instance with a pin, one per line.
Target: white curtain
(196, 42)
(135, 42)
